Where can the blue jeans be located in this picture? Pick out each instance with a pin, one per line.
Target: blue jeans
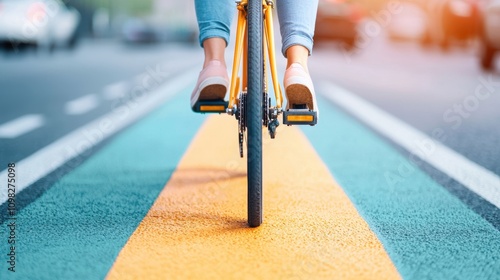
(297, 19)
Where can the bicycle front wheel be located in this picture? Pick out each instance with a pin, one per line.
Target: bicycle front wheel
(254, 112)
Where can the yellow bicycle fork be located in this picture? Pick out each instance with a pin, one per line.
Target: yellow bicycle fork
(241, 48)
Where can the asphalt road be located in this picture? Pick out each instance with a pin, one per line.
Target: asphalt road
(105, 74)
(155, 185)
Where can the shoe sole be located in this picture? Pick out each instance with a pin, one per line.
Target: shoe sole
(213, 88)
(297, 93)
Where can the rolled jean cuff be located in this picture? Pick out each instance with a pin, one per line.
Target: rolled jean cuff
(213, 33)
(293, 40)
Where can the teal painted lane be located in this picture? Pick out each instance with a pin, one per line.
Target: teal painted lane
(76, 229)
(428, 232)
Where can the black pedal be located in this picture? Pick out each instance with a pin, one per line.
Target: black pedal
(300, 117)
(211, 106)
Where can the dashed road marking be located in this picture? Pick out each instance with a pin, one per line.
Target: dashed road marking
(116, 90)
(473, 176)
(82, 105)
(21, 125)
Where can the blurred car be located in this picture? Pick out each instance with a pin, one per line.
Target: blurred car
(490, 34)
(451, 21)
(337, 20)
(136, 30)
(44, 23)
(182, 34)
(409, 24)
(140, 31)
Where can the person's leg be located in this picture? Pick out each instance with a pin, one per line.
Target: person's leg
(214, 22)
(297, 20)
(214, 49)
(297, 54)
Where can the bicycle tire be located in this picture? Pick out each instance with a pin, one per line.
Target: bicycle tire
(255, 80)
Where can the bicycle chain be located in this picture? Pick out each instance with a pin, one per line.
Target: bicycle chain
(241, 121)
(265, 109)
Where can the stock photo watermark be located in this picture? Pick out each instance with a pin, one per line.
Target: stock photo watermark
(10, 224)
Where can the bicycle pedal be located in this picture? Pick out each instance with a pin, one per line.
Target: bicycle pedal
(300, 117)
(211, 106)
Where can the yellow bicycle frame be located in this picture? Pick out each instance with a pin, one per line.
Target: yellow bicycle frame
(241, 48)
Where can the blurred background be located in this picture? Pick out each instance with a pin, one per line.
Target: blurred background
(47, 25)
(52, 24)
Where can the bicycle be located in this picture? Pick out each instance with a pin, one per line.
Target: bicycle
(248, 99)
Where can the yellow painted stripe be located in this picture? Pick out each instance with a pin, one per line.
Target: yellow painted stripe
(197, 228)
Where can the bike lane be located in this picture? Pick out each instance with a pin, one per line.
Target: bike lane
(197, 228)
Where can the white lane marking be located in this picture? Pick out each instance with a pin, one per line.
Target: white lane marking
(473, 176)
(84, 138)
(81, 105)
(116, 90)
(21, 125)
